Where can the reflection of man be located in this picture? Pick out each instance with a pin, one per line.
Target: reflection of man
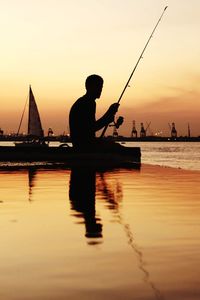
(82, 197)
(82, 122)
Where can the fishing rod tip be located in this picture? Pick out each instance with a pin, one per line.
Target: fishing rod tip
(166, 7)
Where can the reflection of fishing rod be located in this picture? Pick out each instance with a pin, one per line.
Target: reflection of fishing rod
(140, 57)
(141, 263)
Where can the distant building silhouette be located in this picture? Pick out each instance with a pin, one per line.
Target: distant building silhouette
(134, 131)
(142, 131)
(173, 131)
(188, 130)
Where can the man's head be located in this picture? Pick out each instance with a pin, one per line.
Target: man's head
(94, 85)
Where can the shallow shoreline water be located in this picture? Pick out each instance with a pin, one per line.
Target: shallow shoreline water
(172, 154)
(136, 237)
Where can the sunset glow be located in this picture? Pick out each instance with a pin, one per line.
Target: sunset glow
(55, 44)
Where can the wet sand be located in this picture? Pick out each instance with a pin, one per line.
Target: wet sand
(137, 238)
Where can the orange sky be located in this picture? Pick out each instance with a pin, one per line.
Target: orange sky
(55, 44)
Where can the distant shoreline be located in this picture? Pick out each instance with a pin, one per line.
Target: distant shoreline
(154, 139)
(63, 139)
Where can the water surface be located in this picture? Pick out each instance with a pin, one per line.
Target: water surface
(136, 237)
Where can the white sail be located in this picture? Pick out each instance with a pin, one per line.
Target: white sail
(34, 122)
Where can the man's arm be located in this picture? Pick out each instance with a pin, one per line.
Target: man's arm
(107, 118)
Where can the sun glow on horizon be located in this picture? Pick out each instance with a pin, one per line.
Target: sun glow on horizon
(55, 49)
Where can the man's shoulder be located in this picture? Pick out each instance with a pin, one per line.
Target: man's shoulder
(83, 102)
(79, 101)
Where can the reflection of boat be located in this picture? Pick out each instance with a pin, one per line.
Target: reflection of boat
(124, 157)
(35, 132)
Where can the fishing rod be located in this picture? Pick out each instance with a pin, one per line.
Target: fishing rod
(140, 57)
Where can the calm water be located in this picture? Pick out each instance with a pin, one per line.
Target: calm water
(118, 234)
(185, 155)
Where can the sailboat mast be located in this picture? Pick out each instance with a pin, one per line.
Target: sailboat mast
(20, 123)
(29, 109)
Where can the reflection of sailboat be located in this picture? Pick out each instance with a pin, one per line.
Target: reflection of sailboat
(31, 181)
(35, 132)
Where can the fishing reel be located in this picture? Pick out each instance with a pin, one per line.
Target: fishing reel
(118, 123)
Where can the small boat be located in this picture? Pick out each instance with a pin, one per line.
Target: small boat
(125, 157)
(35, 132)
(35, 149)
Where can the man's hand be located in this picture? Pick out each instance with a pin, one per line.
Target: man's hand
(111, 112)
(113, 108)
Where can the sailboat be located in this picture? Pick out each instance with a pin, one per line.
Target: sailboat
(35, 132)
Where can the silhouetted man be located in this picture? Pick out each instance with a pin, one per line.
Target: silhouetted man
(82, 121)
